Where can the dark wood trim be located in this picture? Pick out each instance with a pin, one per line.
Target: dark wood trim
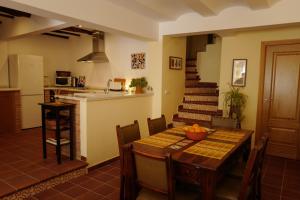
(7, 16)
(66, 33)
(264, 45)
(55, 35)
(14, 12)
(103, 163)
(78, 30)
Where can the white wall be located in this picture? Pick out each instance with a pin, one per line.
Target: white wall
(208, 62)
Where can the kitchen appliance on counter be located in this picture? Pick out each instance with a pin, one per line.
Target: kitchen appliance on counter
(63, 79)
(81, 81)
(27, 73)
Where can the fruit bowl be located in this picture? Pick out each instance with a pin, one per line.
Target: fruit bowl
(195, 132)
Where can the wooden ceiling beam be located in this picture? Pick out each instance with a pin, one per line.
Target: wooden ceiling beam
(66, 33)
(6, 15)
(14, 12)
(78, 30)
(56, 35)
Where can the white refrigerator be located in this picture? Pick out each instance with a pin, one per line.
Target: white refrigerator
(26, 72)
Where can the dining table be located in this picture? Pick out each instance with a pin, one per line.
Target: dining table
(201, 163)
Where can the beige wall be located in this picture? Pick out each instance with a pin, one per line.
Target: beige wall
(173, 81)
(3, 64)
(102, 118)
(248, 45)
(208, 62)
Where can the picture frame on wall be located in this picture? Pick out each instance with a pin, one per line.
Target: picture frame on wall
(175, 63)
(239, 72)
(138, 60)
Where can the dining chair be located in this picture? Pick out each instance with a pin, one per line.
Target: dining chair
(157, 125)
(126, 135)
(154, 175)
(236, 189)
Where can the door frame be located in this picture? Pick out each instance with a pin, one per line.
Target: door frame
(264, 45)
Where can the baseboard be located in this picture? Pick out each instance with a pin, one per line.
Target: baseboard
(103, 163)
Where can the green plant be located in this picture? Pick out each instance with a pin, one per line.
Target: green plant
(139, 82)
(236, 102)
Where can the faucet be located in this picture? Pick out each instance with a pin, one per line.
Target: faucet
(106, 90)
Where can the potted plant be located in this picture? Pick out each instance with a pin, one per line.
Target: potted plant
(236, 102)
(139, 84)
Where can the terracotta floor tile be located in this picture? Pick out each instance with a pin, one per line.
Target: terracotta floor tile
(90, 196)
(91, 184)
(104, 177)
(21, 181)
(48, 194)
(5, 188)
(61, 196)
(75, 191)
(41, 173)
(104, 190)
(64, 186)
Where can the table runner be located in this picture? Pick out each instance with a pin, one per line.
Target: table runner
(160, 140)
(210, 149)
(178, 130)
(231, 136)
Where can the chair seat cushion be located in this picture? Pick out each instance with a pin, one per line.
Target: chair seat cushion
(229, 189)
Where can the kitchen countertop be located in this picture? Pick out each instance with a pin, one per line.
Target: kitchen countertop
(9, 89)
(101, 96)
(74, 89)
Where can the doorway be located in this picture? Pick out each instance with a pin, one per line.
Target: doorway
(279, 98)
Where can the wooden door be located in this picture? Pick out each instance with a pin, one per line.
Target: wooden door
(280, 107)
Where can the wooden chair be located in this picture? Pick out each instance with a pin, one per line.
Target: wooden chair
(126, 135)
(157, 125)
(154, 176)
(234, 188)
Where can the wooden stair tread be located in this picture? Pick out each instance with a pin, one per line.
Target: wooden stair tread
(191, 121)
(210, 103)
(203, 112)
(201, 94)
(188, 72)
(198, 85)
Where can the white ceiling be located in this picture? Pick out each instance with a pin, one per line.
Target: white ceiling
(169, 10)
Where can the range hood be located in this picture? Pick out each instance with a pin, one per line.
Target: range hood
(98, 55)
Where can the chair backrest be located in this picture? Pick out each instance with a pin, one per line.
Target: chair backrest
(154, 173)
(223, 122)
(128, 134)
(157, 125)
(253, 169)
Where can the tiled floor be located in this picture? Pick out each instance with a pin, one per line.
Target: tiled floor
(22, 163)
(281, 179)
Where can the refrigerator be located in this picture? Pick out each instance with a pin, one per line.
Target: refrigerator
(26, 72)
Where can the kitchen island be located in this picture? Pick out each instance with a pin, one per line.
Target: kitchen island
(97, 115)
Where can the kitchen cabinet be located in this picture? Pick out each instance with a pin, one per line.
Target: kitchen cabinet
(10, 115)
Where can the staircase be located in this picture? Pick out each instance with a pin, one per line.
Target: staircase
(200, 100)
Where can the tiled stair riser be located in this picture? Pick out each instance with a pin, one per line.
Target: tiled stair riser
(200, 90)
(191, 62)
(190, 69)
(200, 98)
(200, 107)
(194, 116)
(191, 76)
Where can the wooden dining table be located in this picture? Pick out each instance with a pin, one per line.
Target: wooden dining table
(202, 163)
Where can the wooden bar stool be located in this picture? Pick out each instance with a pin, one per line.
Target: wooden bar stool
(61, 123)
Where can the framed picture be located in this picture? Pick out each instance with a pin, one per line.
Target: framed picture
(138, 60)
(175, 63)
(239, 72)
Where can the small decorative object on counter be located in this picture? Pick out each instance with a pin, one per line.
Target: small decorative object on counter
(139, 84)
(81, 81)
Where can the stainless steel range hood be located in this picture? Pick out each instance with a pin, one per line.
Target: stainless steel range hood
(98, 55)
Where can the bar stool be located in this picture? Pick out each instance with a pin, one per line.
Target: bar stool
(52, 112)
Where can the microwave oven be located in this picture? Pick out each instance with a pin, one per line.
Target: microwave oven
(63, 81)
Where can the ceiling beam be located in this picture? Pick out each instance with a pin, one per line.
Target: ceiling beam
(202, 7)
(56, 35)
(6, 15)
(66, 33)
(14, 12)
(78, 30)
